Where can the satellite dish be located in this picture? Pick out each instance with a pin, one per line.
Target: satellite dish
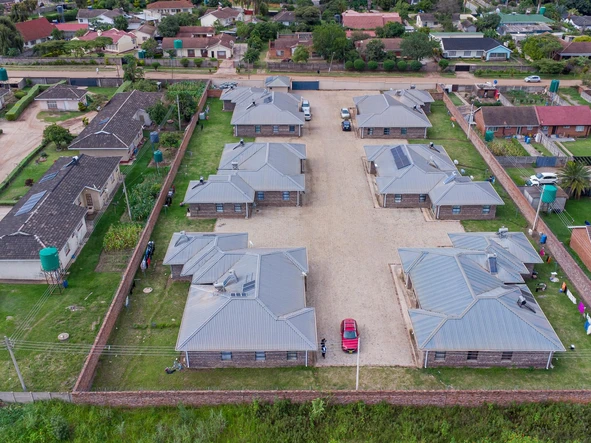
(456, 162)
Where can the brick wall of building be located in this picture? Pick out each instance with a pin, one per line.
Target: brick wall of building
(267, 131)
(571, 131)
(466, 213)
(537, 360)
(274, 359)
(227, 105)
(394, 133)
(503, 131)
(580, 243)
(275, 198)
(408, 201)
(209, 210)
(175, 271)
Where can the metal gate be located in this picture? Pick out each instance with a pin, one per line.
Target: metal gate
(84, 82)
(584, 160)
(542, 162)
(308, 86)
(463, 68)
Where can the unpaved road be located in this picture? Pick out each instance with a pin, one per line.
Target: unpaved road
(350, 242)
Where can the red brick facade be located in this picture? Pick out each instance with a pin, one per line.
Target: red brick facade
(269, 359)
(404, 201)
(268, 130)
(504, 131)
(466, 213)
(276, 198)
(581, 244)
(393, 133)
(210, 210)
(484, 359)
(567, 131)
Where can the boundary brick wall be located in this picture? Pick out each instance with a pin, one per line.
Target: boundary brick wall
(86, 376)
(572, 270)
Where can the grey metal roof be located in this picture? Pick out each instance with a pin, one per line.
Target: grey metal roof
(226, 188)
(278, 81)
(271, 108)
(261, 308)
(237, 94)
(62, 92)
(463, 191)
(411, 97)
(266, 166)
(384, 111)
(184, 246)
(463, 307)
(515, 243)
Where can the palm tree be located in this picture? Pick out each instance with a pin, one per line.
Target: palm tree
(576, 177)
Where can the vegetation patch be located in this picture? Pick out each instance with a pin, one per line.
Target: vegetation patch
(507, 147)
(122, 236)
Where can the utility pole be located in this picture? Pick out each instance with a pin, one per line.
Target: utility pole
(178, 108)
(127, 200)
(18, 371)
(538, 211)
(330, 67)
(470, 119)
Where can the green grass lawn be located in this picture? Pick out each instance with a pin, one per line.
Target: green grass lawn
(579, 148)
(455, 99)
(572, 93)
(523, 98)
(34, 170)
(541, 149)
(54, 117)
(520, 175)
(109, 92)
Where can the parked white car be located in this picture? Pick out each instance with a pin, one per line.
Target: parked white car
(307, 114)
(542, 178)
(533, 79)
(305, 105)
(345, 114)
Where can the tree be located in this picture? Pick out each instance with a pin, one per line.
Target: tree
(81, 4)
(131, 71)
(121, 23)
(582, 38)
(157, 112)
(402, 8)
(542, 46)
(10, 38)
(417, 46)
(390, 30)
(375, 50)
(300, 55)
(56, 134)
(488, 21)
(443, 64)
(575, 177)
(20, 12)
(145, 85)
(155, 65)
(448, 7)
(98, 25)
(329, 39)
(150, 47)
(251, 55)
(385, 5)
(583, 6)
(80, 32)
(184, 62)
(169, 26)
(263, 9)
(546, 66)
(308, 14)
(358, 36)
(56, 34)
(188, 105)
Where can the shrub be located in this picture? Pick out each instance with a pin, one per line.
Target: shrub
(29, 182)
(349, 66)
(401, 65)
(184, 62)
(443, 64)
(155, 65)
(372, 65)
(22, 104)
(122, 236)
(82, 107)
(389, 65)
(193, 88)
(19, 94)
(359, 65)
(171, 139)
(198, 62)
(415, 65)
(142, 197)
(506, 147)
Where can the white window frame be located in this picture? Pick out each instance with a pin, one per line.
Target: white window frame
(397, 198)
(260, 356)
(440, 355)
(369, 131)
(225, 356)
(456, 209)
(286, 195)
(219, 207)
(386, 131)
(292, 355)
(486, 209)
(579, 128)
(51, 104)
(237, 207)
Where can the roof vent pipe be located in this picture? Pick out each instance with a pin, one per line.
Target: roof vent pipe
(235, 166)
(201, 180)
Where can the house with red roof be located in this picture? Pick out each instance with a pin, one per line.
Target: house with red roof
(69, 29)
(34, 31)
(574, 49)
(122, 41)
(171, 7)
(564, 121)
(219, 46)
(368, 20)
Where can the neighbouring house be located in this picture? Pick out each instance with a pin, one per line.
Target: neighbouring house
(507, 121)
(220, 47)
(287, 18)
(231, 96)
(4, 94)
(430, 21)
(172, 7)
(69, 29)
(122, 41)
(105, 16)
(487, 48)
(143, 33)
(278, 83)
(34, 31)
(368, 20)
(250, 174)
(54, 213)
(580, 22)
(467, 26)
(413, 97)
(383, 116)
(564, 121)
(117, 130)
(195, 31)
(61, 97)
(390, 45)
(235, 289)
(486, 90)
(424, 176)
(284, 47)
(524, 24)
(574, 49)
(464, 314)
(521, 32)
(580, 242)
(438, 36)
(268, 114)
(224, 16)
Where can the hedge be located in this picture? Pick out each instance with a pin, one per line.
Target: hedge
(124, 87)
(22, 104)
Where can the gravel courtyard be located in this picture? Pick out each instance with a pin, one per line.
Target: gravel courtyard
(350, 242)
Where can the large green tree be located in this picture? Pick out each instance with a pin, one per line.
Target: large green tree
(575, 177)
(417, 46)
(308, 14)
(329, 39)
(20, 12)
(131, 71)
(375, 50)
(58, 135)
(150, 47)
(10, 39)
(301, 54)
(488, 21)
(169, 26)
(542, 46)
(121, 23)
(390, 30)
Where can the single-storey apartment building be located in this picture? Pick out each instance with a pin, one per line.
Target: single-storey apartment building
(62, 98)
(564, 121)
(487, 48)
(220, 46)
(507, 121)
(34, 31)
(224, 16)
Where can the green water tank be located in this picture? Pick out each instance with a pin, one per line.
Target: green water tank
(554, 84)
(158, 156)
(3, 75)
(542, 10)
(50, 259)
(178, 44)
(141, 53)
(489, 136)
(549, 194)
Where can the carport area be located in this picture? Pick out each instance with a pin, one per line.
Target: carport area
(351, 244)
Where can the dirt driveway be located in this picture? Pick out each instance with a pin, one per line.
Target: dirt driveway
(22, 136)
(350, 243)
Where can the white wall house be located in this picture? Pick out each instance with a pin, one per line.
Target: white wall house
(225, 17)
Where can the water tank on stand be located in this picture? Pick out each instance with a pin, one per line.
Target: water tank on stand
(489, 136)
(141, 53)
(158, 156)
(178, 44)
(154, 137)
(50, 259)
(549, 194)
(554, 84)
(3, 75)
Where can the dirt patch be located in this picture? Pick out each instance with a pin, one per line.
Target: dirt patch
(115, 261)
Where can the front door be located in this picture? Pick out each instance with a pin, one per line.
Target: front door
(89, 203)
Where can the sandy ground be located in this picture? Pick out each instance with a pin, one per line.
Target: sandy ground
(22, 136)
(4, 210)
(350, 242)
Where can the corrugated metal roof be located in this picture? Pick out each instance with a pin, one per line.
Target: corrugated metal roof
(272, 108)
(278, 81)
(236, 95)
(225, 188)
(464, 192)
(516, 243)
(184, 246)
(384, 111)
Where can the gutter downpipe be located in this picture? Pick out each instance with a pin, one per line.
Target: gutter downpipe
(549, 360)
(426, 358)
(187, 359)
(298, 201)
(306, 359)
(246, 210)
(437, 213)
(385, 197)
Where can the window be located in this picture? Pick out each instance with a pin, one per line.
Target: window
(275, 129)
(219, 207)
(467, 53)
(279, 52)
(493, 128)
(226, 356)
(456, 209)
(529, 128)
(260, 356)
(286, 195)
(291, 128)
(397, 198)
(257, 129)
(486, 209)
(260, 195)
(472, 355)
(403, 131)
(506, 356)
(292, 355)
(579, 128)
(451, 53)
(237, 207)
(190, 53)
(479, 53)
(67, 248)
(369, 131)
(386, 131)
(566, 127)
(439, 355)
(51, 105)
(422, 198)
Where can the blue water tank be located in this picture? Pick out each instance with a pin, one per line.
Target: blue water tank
(543, 238)
(154, 137)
